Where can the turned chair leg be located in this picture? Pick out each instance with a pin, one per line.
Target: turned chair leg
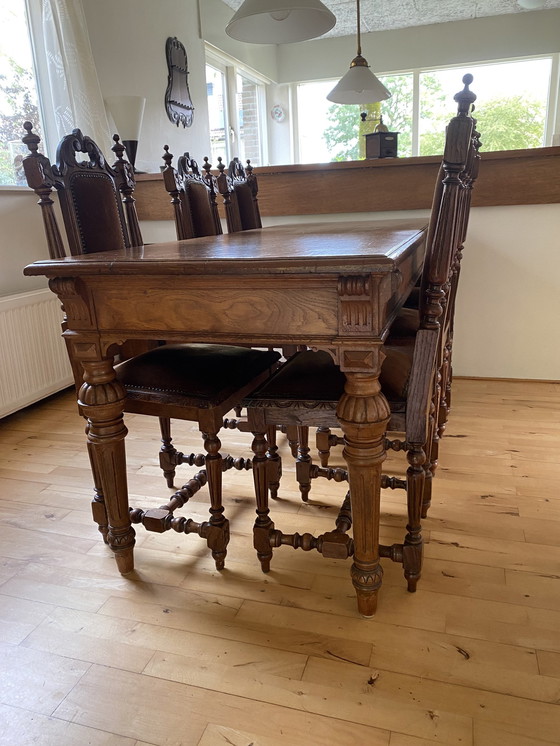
(303, 463)
(167, 453)
(322, 442)
(274, 462)
(292, 436)
(432, 448)
(218, 535)
(413, 544)
(263, 528)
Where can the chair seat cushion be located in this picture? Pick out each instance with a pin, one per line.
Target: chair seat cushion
(313, 378)
(405, 326)
(198, 375)
(413, 300)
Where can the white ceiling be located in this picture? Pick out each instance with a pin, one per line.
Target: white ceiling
(382, 15)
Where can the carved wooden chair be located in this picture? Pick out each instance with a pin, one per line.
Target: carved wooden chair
(194, 382)
(193, 196)
(239, 189)
(305, 391)
(408, 322)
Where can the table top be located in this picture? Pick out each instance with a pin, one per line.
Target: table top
(328, 247)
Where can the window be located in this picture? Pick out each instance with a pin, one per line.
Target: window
(512, 110)
(18, 93)
(217, 113)
(511, 104)
(236, 105)
(249, 118)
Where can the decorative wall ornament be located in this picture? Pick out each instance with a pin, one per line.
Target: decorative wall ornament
(178, 104)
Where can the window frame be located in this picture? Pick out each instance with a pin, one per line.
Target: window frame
(232, 67)
(552, 121)
(42, 129)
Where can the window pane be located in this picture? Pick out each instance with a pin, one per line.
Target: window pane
(332, 132)
(18, 93)
(314, 116)
(249, 145)
(215, 87)
(511, 104)
(397, 110)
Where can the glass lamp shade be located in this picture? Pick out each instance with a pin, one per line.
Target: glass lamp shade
(358, 86)
(127, 113)
(280, 21)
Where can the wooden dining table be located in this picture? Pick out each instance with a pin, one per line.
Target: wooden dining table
(333, 286)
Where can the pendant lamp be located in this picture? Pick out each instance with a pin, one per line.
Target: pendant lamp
(359, 85)
(280, 21)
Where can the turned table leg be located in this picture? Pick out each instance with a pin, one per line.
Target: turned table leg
(101, 400)
(363, 414)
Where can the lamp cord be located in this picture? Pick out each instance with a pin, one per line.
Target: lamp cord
(358, 24)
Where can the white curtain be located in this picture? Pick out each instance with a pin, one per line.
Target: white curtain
(68, 85)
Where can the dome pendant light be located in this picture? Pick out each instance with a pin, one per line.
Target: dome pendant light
(280, 21)
(359, 85)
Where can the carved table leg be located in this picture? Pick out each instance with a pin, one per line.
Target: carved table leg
(98, 509)
(363, 414)
(101, 400)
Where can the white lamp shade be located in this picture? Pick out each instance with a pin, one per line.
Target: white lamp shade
(127, 113)
(358, 86)
(531, 4)
(280, 21)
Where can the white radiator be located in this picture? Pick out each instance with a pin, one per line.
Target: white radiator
(33, 359)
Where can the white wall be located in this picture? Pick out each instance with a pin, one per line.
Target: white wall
(509, 298)
(128, 43)
(479, 39)
(22, 240)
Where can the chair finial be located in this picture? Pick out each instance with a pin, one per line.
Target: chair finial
(465, 98)
(167, 156)
(118, 148)
(31, 139)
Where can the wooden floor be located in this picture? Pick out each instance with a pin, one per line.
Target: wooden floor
(181, 654)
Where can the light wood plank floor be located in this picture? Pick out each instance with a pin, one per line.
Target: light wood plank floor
(178, 654)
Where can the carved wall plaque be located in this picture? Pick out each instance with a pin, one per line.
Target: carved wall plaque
(178, 104)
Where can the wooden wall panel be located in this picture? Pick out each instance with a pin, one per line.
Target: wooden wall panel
(514, 177)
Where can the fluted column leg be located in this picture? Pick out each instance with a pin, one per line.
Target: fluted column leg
(363, 414)
(101, 400)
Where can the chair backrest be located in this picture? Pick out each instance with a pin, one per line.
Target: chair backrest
(445, 236)
(96, 200)
(239, 189)
(193, 196)
(450, 213)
